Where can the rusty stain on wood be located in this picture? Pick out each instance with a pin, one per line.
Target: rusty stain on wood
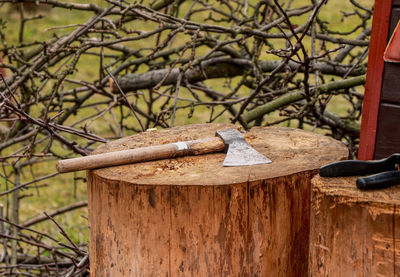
(190, 216)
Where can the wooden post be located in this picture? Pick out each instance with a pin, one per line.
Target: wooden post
(373, 84)
(190, 216)
(353, 232)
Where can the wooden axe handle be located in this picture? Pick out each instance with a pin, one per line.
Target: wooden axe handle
(171, 150)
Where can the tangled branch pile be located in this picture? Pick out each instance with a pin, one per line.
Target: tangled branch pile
(158, 64)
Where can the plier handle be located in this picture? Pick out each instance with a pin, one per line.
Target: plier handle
(385, 171)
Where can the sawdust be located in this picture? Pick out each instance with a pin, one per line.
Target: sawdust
(343, 190)
(176, 164)
(273, 142)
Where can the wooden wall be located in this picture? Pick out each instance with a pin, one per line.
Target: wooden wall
(373, 84)
(388, 128)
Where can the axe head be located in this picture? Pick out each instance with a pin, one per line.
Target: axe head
(238, 151)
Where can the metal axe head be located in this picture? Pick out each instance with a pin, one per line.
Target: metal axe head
(239, 152)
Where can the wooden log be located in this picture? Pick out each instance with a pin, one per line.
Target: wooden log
(189, 216)
(353, 232)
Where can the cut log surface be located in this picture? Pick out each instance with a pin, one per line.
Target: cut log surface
(353, 232)
(190, 216)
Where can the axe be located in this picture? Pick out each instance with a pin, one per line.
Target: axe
(238, 153)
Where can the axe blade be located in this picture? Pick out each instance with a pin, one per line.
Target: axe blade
(239, 152)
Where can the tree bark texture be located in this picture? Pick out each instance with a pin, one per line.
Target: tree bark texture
(190, 216)
(353, 232)
(218, 68)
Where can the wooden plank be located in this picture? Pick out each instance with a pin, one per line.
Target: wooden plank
(394, 19)
(388, 138)
(379, 38)
(391, 73)
(391, 83)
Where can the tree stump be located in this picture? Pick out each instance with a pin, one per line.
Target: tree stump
(190, 216)
(353, 232)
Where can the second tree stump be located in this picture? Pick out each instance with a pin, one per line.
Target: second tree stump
(192, 217)
(354, 232)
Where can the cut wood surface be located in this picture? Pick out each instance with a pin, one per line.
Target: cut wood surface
(190, 216)
(291, 151)
(353, 232)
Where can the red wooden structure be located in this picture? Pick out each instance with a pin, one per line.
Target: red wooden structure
(380, 128)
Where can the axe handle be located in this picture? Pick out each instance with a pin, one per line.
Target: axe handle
(171, 150)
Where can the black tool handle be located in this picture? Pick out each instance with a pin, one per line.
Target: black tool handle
(354, 167)
(379, 181)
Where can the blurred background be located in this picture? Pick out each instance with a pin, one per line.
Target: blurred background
(78, 74)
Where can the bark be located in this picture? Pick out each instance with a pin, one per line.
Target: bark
(220, 68)
(299, 95)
